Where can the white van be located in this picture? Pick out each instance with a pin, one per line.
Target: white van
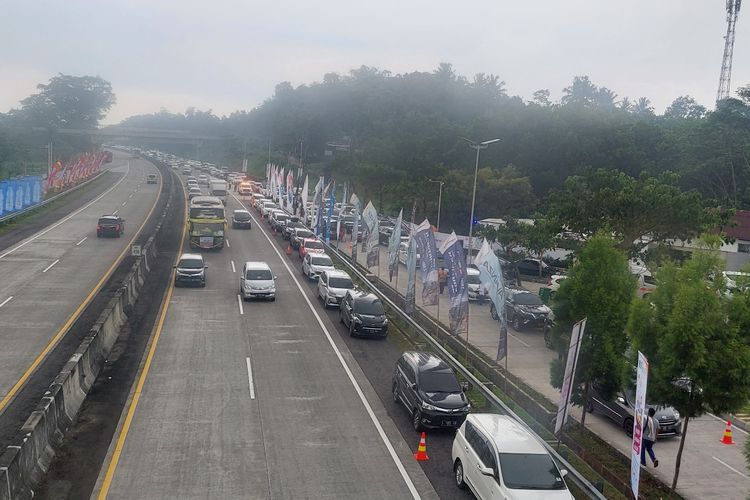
(257, 281)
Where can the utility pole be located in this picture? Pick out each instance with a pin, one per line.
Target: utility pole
(478, 146)
(725, 78)
(440, 200)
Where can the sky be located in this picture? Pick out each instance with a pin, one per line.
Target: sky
(229, 55)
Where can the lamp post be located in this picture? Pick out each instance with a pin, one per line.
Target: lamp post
(478, 146)
(440, 200)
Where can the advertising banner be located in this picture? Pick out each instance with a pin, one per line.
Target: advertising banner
(491, 276)
(18, 195)
(570, 371)
(638, 423)
(9, 192)
(458, 284)
(305, 188)
(370, 218)
(411, 274)
(393, 246)
(427, 262)
(355, 229)
(2, 198)
(330, 214)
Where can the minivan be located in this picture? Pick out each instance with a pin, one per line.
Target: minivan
(190, 270)
(257, 281)
(363, 314)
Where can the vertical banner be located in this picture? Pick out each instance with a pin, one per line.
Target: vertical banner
(355, 228)
(427, 262)
(2, 198)
(570, 372)
(9, 191)
(18, 195)
(640, 417)
(370, 218)
(458, 284)
(330, 214)
(318, 208)
(491, 276)
(305, 188)
(393, 247)
(411, 275)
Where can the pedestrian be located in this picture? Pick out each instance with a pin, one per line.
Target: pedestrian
(442, 279)
(650, 432)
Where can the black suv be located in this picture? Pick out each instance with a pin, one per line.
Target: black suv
(241, 218)
(430, 391)
(523, 309)
(111, 225)
(363, 314)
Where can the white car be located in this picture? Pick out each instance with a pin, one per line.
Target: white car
(332, 285)
(477, 291)
(496, 457)
(203, 179)
(403, 252)
(315, 263)
(257, 281)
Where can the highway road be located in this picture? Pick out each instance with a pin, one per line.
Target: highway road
(47, 279)
(255, 399)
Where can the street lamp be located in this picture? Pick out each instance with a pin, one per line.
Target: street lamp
(478, 146)
(440, 200)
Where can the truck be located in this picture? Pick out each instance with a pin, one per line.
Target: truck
(219, 188)
(207, 223)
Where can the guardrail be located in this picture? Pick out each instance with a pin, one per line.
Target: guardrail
(26, 210)
(580, 481)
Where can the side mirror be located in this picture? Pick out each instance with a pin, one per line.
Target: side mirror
(486, 471)
(563, 472)
(414, 386)
(205, 267)
(621, 400)
(174, 267)
(275, 277)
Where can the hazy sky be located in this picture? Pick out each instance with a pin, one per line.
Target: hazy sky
(229, 55)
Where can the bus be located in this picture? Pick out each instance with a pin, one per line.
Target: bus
(207, 222)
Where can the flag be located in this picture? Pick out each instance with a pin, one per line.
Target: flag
(491, 276)
(427, 262)
(289, 188)
(355, 229)
(318, 221)
(330, 215)
(305, 189)
(640, 414)
(370, 218)
(458, 284)
(411, 273)
(393, 247)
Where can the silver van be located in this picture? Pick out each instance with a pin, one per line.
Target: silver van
(257, 281)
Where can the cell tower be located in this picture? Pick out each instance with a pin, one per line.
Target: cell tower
(733, 9)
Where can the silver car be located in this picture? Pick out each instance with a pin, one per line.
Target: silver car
(257, 281)
(315, 263)
(332, 285)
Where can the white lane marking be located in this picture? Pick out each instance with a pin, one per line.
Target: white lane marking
(521, 341)
(65, 219)
(731, 468)
(734, 427)
(250, 378)
(6, 301)
(115, 212)
(50, 266)
(124, 203)
(233, 269)
(84, 239)
(130, 196)
(239, 303)
(350, 375)
(227, 241)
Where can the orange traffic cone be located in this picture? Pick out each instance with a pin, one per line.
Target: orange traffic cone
(727, 439)
(289, 249)
(421, 453)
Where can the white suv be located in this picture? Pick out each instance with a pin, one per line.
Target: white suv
(498, 458)
(315, 263)
(332, 285)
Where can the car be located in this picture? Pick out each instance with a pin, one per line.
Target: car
(332, 285)
(530, 267)
(310, 245)
(385, 229)
(429, 390)
(291, 224)
(621, 410)
(241, 219)
(298, 235)
(315, 263)
(523, 309)
(110, 225)
(497, 457)
(257, 281)
(192, 183)
(363, 314)
(190, 270)
(203, 179)
(194, 191)
(151, 179)
(266, 207)
(187, 170)
(477, 291)
(403, 253)
(278, 219)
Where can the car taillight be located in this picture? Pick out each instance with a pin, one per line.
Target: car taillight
(98, 227)
(117, 227)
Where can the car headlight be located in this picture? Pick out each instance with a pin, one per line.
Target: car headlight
(356, 319)
(385, 321)
(676, 415)
(429, 407)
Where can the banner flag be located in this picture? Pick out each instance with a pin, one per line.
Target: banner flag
(370, 218)
(640, 414)
(570, 372)
(330, 215)
(427, 262)
(458, 284)
(393, 246)
(355, 228)
(491, 276)
(305, 189)
(411, 274)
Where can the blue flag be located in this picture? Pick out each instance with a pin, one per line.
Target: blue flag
(458, 284)
(427, 262)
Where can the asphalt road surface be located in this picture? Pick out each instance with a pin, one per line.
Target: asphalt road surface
(256, 400)
(49, 277)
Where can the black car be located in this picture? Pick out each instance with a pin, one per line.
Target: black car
(190, 270)
(363, 314)
(530, 267)
(384, 235)
(430, 391)
(241, 219)
(523, 309)
(622, 408)
(110, 225)
(290, 226)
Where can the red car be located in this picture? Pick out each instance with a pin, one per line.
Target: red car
(310, 245)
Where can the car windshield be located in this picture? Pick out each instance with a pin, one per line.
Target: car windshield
(314, 244)
(303, 234)
(474, 279)
(107, 220)
(367, 306)
(527, 299)
(242, 216)
(530, 471)
(443, 381)
(340, 283)
(258, 274)
(322, 260)
(190, 264)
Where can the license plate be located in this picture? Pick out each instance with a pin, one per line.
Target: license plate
(206, 241)
(449, 422)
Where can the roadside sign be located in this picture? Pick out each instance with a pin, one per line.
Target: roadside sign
(638, 422)
(135, 250)
(570, 372)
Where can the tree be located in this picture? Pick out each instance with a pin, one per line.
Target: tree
(599, 287)
(629, 207)
(744, 94)
(686, 108)
(698, 360)
(541, 97)
(580, 93)
(540, 237)
(643, 106)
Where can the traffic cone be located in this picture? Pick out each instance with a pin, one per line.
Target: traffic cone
(289, 249)
(421, 454)
(727, 439)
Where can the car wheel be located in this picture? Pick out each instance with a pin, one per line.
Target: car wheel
(458, 470)
(416, 420)
(493, 313)
(341, 316)
(627, 426)
(516, 323)
(394, 390)
(98, 234)
(203, 284)
(351, 328)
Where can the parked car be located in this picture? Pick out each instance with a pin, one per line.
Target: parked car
(496, 457)
(151, 179)
(190, 270)
(477, 291)
(622, 409)
(315, 263)
(299, 234)
(646, 284)
(332, 286)
(257, 281)
(403, 253)
(241, 219)
(429, 390)
(110, 225)
(291, 224)
(530, 267)
(523, 309)
(310, 245)
(385, 231)
(363, 314)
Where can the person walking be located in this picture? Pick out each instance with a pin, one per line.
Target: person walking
(650, 432)
(442, 279)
